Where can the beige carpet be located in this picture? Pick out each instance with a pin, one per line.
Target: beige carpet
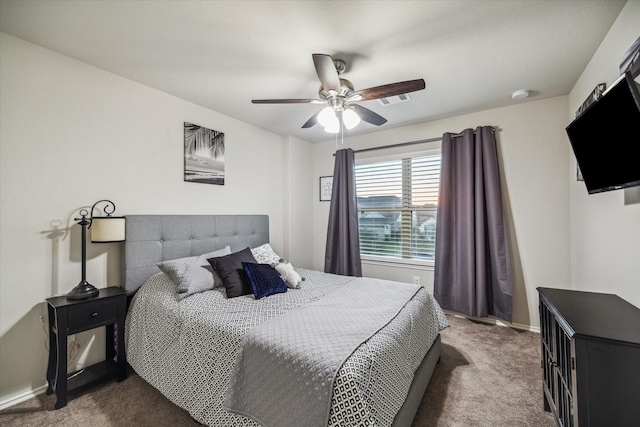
(487, 376)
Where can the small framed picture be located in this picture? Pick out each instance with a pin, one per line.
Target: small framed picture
(326, 186)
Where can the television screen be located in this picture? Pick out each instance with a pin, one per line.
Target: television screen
(606, 138)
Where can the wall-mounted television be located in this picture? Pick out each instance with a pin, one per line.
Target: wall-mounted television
(606, 138)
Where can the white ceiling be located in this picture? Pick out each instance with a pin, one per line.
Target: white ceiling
(222, 54)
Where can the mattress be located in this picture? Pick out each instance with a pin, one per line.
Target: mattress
(187, 349)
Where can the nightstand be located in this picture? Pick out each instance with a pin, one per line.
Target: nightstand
(70, 316)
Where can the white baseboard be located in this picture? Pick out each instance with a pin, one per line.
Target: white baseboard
(19, 398)
(495, 321)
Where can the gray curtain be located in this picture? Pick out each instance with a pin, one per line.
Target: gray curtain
(342, 255)
(472, 267)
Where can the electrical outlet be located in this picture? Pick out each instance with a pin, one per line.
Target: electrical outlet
(71, 338)
(416, 280)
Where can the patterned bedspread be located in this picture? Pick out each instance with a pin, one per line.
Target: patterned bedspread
(187, 349)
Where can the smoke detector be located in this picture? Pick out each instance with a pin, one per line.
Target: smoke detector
(520, 94)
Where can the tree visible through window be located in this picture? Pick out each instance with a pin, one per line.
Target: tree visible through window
(397, 203)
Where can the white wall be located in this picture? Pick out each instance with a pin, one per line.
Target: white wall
(72, 134)
(298, 189)
(534, 153)
(605, 227)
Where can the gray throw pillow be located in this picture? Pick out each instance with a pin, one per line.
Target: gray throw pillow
(193, 274)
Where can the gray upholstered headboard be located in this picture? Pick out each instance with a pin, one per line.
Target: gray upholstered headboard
(154, 238)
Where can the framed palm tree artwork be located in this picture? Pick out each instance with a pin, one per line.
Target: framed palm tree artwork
(203, 155)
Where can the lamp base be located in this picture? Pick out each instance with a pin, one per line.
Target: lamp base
(84, 290)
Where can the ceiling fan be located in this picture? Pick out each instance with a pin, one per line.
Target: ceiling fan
(341, 96)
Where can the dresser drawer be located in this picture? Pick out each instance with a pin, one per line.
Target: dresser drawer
(92, 315)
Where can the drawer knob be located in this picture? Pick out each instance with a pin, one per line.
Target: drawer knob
(94, 314)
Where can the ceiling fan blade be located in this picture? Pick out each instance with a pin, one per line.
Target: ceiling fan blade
(387, 90)
(312, 121)
(287, 101)
(368, 115)
(326, 72)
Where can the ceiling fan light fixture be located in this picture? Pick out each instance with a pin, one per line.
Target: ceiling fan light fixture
(327, 116)
(333, 126)
(328, 119)
(350, 118)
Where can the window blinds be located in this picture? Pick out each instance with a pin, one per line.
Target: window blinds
(397, 203)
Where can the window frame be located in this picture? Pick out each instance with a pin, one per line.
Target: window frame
(414, 263)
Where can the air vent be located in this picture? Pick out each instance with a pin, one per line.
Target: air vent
(395, 99)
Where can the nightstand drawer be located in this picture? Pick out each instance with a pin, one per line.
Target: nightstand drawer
(94, 314)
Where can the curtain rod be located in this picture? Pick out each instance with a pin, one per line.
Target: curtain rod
(404, 144)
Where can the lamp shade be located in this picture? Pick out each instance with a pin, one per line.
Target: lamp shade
(327, 116)
(108, 229)
(351, 118)
(333, 126)
(328, 119)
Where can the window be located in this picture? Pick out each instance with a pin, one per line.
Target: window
(397, 203)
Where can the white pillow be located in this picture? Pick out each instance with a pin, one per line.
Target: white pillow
(264, 254)
(193, 274)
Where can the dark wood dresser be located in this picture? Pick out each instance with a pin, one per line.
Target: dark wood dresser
(590, 358)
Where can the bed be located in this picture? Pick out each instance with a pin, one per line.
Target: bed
(190, 349)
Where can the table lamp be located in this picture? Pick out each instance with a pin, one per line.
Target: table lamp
(105, 229)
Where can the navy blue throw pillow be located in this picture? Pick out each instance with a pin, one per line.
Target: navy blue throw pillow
(264, 280)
